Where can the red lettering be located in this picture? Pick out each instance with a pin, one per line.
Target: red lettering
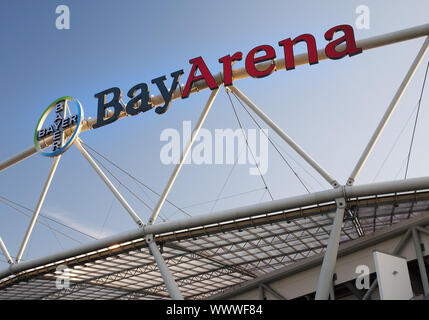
(251, 60)
(348, 37)
(198, 63)
(227, 66)
(288, 45)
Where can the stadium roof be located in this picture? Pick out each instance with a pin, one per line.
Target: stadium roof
(212, 259)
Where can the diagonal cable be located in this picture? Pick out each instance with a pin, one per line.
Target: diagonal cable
(247, 143)
(395, 143)
(272, 143)
(133, 178)
(225, 183)
(415, 122)
(5, 201)
(122, 184)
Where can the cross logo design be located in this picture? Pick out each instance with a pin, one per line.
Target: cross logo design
(65, 128)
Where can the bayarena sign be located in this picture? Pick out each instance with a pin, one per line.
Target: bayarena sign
(140, 99)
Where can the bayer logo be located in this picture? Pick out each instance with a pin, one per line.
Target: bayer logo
(58, 127)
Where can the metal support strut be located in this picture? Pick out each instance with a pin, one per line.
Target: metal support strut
(285, 137)
(328, 266)
(169, 281)
(388, 112)
(176, 171)
(39, 206)
(420, 261)
(106, 180)
(5, 252)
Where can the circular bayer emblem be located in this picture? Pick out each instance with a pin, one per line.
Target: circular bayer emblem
(63, 120)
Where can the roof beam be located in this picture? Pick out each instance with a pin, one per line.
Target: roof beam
(202, 220)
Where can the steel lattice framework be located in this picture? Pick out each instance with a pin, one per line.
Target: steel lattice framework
(210, 260)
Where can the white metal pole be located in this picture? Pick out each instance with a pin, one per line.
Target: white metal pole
(388, 113)
(421, 262)
(176, 171)
(106, 180)
(18, 157)
(328, 266)
(5, 252)
(373, 189)
(285, 137)
(169, 281)
(39, 206)
(422, 230)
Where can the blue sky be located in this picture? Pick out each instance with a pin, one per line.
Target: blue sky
(330, 109)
